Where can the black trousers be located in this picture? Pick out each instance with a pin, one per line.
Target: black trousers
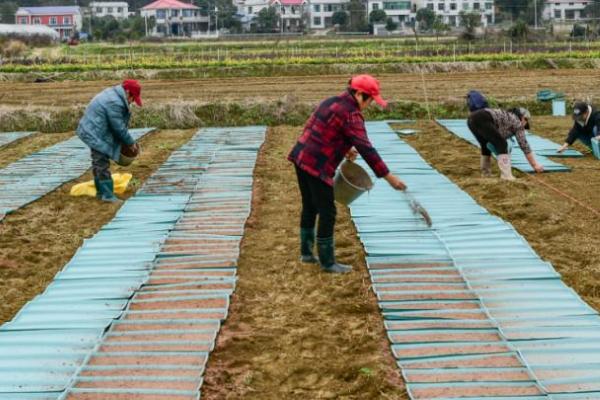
(100, 166)
(485, 131)
(317, 199)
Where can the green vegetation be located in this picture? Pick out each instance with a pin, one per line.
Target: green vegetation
(229, 60)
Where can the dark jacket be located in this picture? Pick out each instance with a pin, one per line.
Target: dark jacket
(104, 126)
(586, 130)
(330, 132)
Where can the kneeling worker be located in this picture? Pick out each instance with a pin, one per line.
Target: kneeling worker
(585, 127)
(492, 128)
(334, 130)
(104, 128)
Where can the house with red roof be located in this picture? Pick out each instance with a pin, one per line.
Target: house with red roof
(174, 18)
(65, 20)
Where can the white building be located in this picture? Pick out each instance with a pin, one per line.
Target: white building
(292, 14)
(400, 11)
(175, 18)
(118, 10)
(450, 10)
(321, 12)
(251, 8)
(565, 10)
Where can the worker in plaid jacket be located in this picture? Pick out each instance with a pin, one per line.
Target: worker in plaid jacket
(335, 130)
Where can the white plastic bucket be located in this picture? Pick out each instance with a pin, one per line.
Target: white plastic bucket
(559, 108)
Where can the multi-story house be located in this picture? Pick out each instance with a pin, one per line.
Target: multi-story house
(247, 11)
(321, 12)
(117, 10)
(400, 11)
(565, 10)
(65, 20)
(293, 14)
(450, 10)
(175, 18)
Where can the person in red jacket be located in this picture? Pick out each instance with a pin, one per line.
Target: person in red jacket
(335, 130)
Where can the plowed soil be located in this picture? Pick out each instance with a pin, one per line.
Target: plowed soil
(502, 84)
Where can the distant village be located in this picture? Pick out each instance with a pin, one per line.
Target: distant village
(174, 18)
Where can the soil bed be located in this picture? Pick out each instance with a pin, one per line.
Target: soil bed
(293, 331)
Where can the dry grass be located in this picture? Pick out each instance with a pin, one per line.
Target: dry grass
(293, 331)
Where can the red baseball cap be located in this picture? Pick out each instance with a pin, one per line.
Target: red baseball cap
(134, 88)
(369, 85)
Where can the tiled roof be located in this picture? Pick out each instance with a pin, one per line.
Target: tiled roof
(59, 10)
(169, 4)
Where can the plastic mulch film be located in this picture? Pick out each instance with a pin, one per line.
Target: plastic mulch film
(9, 137)
(88, 324)
(470, 309)
(37, 174)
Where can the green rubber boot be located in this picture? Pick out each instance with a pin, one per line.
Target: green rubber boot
(326, 248)
(307, 243)
(98, 192)
(106, 191)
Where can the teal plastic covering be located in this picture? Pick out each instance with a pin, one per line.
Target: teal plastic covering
(36, 175)
(110, 323)
(470, 309)
(542, 147)
(9, 137)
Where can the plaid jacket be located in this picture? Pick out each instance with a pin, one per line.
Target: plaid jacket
(330, 132)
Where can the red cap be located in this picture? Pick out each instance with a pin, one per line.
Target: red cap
(134, 88)
(369, 85)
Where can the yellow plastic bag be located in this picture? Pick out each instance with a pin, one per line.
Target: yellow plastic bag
(89, 189)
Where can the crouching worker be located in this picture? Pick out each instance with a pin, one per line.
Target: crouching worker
(492, 128)
(104, 128)
(585, 127)
(335, 129)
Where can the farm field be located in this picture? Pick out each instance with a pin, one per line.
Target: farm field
(559, 230)
(239, 55)
(293, 332)
(438, 87)
(37, 240)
